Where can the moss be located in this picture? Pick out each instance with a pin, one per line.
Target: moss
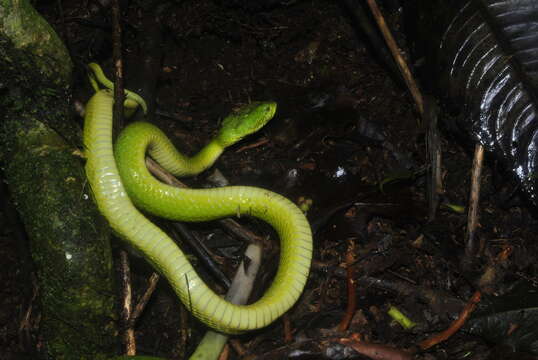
(35, 68)
(69, 242)
(40, 42)
(69, 239)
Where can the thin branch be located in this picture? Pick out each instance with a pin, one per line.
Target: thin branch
(288, 333)
(129, 341)
(402, 65)
(118, 66)
(471, 246)
(375, 351)
(351, 286)
(456, 324)
(143, 301)
(128, 336)
(202, 252)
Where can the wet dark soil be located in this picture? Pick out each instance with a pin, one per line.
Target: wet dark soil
(346, 136)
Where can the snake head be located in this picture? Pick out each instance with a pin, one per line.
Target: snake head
(245, 121)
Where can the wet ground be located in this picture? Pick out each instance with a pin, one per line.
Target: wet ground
(347, 137)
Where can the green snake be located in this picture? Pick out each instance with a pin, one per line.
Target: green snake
(120, 181)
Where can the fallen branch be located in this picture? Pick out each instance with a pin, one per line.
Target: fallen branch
(456, 324)
(375, 351)
(402, 65)
(472, 247)
(351, 287)
(128, 336)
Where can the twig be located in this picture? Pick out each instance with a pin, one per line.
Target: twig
(128, 336)
(434, 181)
(375, 351)
(241, 232)
(288, 335)
(260, 142)
(238, 347)
(129, 341)
(142, 302)
(351, 287)
(471, 246)
(118, 66)
(162, 174)
(202, 252)
(402, 65)
(456, 324)
(184, 332)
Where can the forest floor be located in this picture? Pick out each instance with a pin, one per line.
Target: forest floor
(347, 137)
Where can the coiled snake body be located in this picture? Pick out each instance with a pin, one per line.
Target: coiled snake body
(120, 180)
